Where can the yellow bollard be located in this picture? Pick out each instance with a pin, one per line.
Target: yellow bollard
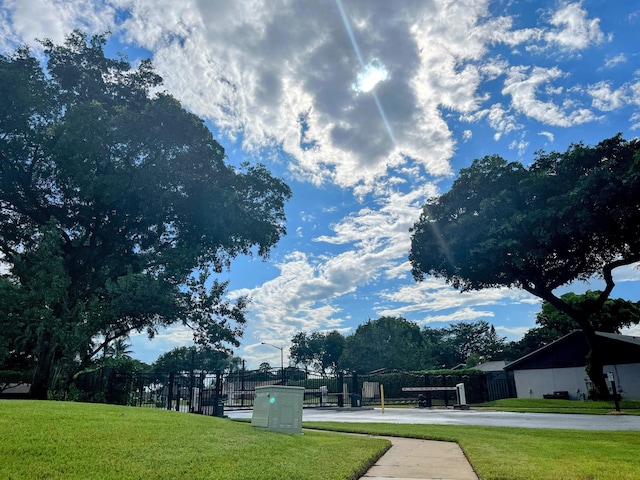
(382, 396)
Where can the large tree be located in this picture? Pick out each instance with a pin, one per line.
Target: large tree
(388, 342)
(466, 339)
(116, 208)
(199, 358)
(568, 216)
(318, 350)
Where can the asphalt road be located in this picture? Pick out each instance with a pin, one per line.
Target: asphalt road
(466, 417)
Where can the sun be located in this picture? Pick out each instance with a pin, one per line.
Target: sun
(371, 75)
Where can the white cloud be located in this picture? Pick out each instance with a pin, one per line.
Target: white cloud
(519, 145)
(53, 19)
(466, 314)
(499, 30)
(548, 135)
(512, 332)
(259, 81)
(615, 60)
(628, 273)
(434, 295)
(523, 84)
(634, 96)
(233, 63)
(606, 99)
(633, 331)
(501, 121)
(573, 30)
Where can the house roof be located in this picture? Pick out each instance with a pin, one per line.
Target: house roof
(15, 388)
(494, 366)
(572, 349)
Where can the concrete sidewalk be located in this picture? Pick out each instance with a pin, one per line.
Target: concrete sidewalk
(421, 459)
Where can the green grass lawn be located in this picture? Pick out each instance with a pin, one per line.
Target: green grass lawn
(538, 405)
(499, 453)
(67, 440)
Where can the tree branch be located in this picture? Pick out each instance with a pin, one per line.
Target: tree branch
(607, 274)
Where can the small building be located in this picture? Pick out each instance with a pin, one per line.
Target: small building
(500, 383)
(558, 369)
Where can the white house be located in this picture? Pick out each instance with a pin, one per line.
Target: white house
(560, 367)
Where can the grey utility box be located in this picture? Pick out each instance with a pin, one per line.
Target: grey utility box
(278, 408)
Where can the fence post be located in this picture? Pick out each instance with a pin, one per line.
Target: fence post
(216, 391)
(340, 389)
(200, 391)
(192, 382)
(427, 400)
(242, 386)
(140, 389)
(170, 392)
(354, 388)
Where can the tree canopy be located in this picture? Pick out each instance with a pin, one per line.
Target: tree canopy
(116, 207)
(388, 342)
(196, 358)
(552, 323)
(568, 216)
(463, 340)
(615, 314)
(318, 350)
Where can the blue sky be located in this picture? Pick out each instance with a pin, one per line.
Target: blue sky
(367, 108)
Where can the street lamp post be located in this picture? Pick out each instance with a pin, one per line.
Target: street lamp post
(281, 358)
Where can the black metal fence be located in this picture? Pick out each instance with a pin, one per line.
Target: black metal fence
(211, 393)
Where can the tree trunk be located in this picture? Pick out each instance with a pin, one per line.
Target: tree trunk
(595, 364)
(44, 366)
(594, 361)
(41, 379)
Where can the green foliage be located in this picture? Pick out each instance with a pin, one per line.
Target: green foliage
(613, 315)
(332, 352)
(110, 382)
(465, 340)
(387, 342)
(553, 323)
(394, 343)
(197, 358)
(317, 350)
(15, 365)
(569, 216)
(117, 205)
(118, 350)
(67, 440)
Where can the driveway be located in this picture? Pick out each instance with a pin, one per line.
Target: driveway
(466, 417)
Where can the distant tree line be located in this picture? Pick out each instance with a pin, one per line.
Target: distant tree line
(396, 343)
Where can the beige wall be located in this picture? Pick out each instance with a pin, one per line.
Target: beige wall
(536, 383)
